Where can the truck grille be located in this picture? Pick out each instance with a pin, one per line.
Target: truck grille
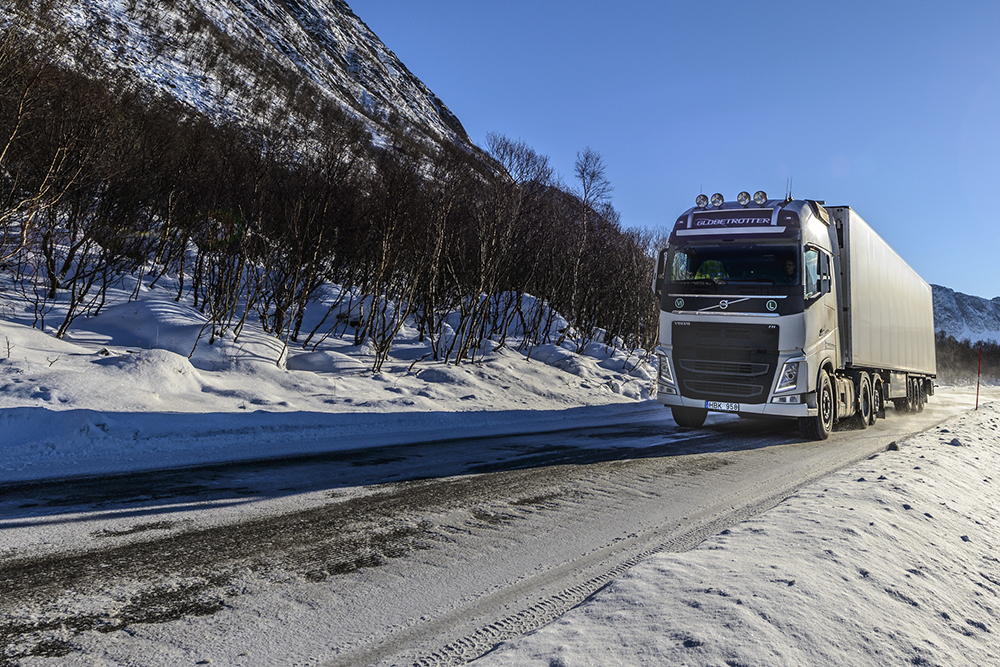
(725, 362)
(722, 367)
(723, 389)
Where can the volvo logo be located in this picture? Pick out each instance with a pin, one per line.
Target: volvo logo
(679, 303)
(772, 305)
(723, 304)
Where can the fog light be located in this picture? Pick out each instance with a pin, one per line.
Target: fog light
(718, 200)
(760, 197)
(743, 198)
(701, 201)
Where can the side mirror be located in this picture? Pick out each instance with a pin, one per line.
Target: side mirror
(661, 272)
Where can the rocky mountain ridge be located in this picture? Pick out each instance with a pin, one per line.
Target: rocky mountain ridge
(966, 317)
(263, 63)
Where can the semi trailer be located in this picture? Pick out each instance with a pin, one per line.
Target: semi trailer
(789, 308)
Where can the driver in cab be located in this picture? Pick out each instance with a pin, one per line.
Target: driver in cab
(709, 269)
(789, 272)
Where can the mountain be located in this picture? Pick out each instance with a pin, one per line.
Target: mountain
(259, 62)
(966, 317)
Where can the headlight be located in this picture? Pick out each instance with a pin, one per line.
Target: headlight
(718, 200)
(743, 198)
(666, 376)
(789, 377)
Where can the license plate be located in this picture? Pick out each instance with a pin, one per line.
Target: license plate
(722, 407)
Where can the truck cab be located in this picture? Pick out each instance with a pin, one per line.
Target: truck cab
(742, 287)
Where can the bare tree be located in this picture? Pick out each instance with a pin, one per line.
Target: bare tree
(96, 184)
(594, 192)
(33, 173)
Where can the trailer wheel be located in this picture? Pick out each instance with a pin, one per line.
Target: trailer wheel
(921, 397)
(820, 426)
(878, 402)
(864, 410)
(689, 417)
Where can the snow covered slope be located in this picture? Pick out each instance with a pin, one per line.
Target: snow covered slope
(966, 317)
(255, 61)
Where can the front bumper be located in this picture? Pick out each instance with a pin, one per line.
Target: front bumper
(793, 410)
(776, 404)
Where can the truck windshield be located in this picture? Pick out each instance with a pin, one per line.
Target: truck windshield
(772, 263)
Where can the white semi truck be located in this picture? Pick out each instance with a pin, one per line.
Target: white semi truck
(789, 308)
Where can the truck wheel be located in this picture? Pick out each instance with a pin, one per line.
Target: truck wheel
(863, 410)
(689, 417)
(820, 426)
(878, 404)
(921, 398)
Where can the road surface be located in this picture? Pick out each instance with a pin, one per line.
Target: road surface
(427, 554)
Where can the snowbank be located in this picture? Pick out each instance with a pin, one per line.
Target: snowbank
(139, 387)
(893, 561)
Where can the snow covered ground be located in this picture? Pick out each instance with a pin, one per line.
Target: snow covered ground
(893, 561)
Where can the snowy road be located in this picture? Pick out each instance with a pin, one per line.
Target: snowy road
(427, 554)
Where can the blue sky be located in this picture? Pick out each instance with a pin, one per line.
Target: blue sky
(892, 108)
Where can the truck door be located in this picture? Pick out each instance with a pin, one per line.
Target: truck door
(821, 305)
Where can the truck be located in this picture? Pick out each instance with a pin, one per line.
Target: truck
(789, 308)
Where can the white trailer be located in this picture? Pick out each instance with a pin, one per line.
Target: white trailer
(789, 308)
(888, 307)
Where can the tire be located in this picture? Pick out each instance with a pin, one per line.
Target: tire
(878, 403)
(921, 399)
(689, 417)
(820, 426)
(864, 407)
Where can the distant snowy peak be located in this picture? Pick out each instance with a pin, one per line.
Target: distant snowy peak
(253, 61)
(966, 317)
